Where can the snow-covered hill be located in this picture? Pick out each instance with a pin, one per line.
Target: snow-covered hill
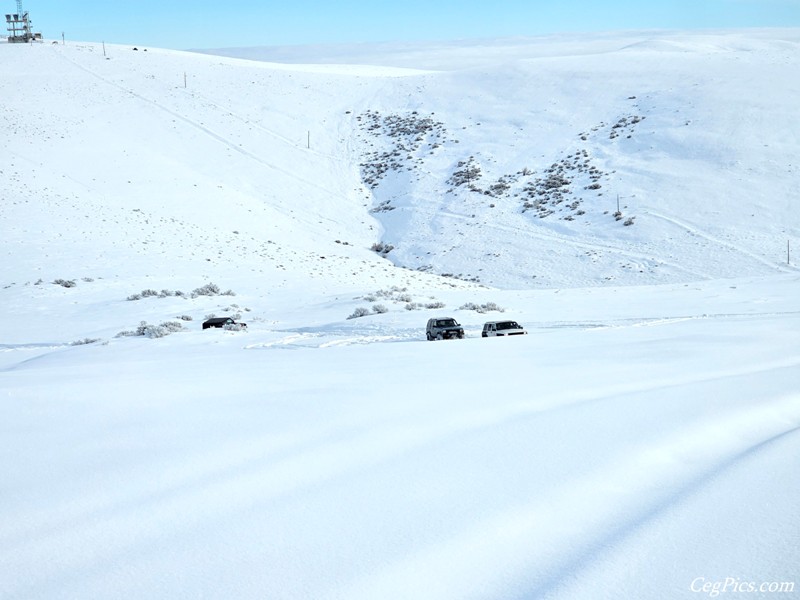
(507, 173)
(527, 150)
(640, 442)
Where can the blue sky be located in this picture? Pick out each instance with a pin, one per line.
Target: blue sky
(186, 24)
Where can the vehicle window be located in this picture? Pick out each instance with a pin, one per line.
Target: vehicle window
(446, 323)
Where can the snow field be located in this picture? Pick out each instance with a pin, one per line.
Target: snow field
(643, 435)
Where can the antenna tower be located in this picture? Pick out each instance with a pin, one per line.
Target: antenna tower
(19, 26)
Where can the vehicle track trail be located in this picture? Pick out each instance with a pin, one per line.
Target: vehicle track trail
(696, 232)
(227, 142)
(563, 531)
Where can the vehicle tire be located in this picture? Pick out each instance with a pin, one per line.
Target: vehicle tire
(430, 337)
(439, 337)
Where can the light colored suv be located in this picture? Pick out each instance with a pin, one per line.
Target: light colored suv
(444, 328)
(502, 328)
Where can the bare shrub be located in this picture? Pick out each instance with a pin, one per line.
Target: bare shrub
(492, 307)
(143, 294)
(209, 289)
(394, 293)
(85, 341)
(379, 309)
(359, 312)
(153, 331)
(382, 248)
(482, 308)
(67, 283)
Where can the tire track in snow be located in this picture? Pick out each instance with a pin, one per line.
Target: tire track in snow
(275, 135)
(15, 356)
(582, 244)
(206, 130)
(324, 455)
(327, 337)
(563, 530)
(253, 474)
(714, 240)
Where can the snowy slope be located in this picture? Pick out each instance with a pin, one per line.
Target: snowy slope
(641, 442)
(674, 125)
(633, 442)
(694, 133)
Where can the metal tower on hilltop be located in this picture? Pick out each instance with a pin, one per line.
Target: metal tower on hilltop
(19, 27)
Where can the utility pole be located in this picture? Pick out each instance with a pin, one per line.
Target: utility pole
(619, 212)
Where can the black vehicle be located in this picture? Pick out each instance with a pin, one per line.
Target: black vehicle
(223, 323)
(443, 329)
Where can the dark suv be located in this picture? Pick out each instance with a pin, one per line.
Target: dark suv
(443, 329)
(224, 323)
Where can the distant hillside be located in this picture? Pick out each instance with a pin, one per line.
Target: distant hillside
(624, 158)
(665, 159)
